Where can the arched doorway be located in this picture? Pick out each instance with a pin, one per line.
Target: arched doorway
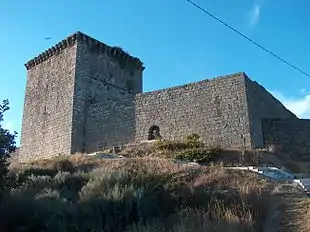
(154, 133)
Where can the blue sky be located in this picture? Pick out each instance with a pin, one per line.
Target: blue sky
(177, 42)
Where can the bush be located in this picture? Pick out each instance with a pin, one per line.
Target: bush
(190, 149)
(191, 141)
(7, 140)
(7, 145)
(63, 165)
(3, 172)
(169, 145)
(199, 155)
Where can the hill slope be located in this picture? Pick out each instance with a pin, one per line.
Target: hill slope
(84, 193)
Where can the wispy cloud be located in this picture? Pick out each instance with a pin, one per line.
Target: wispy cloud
(299, 106)
(254, 14)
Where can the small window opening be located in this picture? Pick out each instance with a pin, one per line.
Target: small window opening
(154, 133)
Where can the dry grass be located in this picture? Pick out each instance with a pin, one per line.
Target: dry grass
(149, 194)
(145, 192)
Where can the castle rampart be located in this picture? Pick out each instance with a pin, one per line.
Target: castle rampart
(216, 109)
(96, 46)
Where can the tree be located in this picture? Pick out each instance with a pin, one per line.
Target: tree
(7, 140)
(7, 145)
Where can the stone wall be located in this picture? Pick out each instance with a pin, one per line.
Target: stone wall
(47, 118)
(262, 104)
(289, 135)
(215, 109)
(103, 108)
(110, 124)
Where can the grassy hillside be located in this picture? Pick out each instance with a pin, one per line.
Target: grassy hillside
(83, 193)
(88, 193)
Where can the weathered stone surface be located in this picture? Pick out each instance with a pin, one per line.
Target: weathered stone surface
(103, 109)
(83, 95)
(261, 104)
(47, 119)
(215, 109)
(289, 134)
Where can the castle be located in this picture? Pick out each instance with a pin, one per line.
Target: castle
(83, 95)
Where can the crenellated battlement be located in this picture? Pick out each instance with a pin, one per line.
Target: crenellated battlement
(96, 46)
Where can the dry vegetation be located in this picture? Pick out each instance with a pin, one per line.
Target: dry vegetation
(86, 193)
(91, 194)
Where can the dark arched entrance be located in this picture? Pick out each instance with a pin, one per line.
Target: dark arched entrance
(154, 133)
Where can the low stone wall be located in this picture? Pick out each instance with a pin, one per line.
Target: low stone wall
(289, 135)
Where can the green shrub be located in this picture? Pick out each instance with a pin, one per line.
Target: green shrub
(192, 141)
(7, 145)
(3, 173)
(199, 155)
(189, 142)
(169, 145)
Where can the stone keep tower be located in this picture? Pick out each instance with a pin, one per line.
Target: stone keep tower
(78, 85)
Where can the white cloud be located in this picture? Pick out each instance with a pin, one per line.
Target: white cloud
(299, 106)
(254, 15)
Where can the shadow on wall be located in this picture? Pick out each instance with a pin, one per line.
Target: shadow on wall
(291, 135)
(110, 122)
